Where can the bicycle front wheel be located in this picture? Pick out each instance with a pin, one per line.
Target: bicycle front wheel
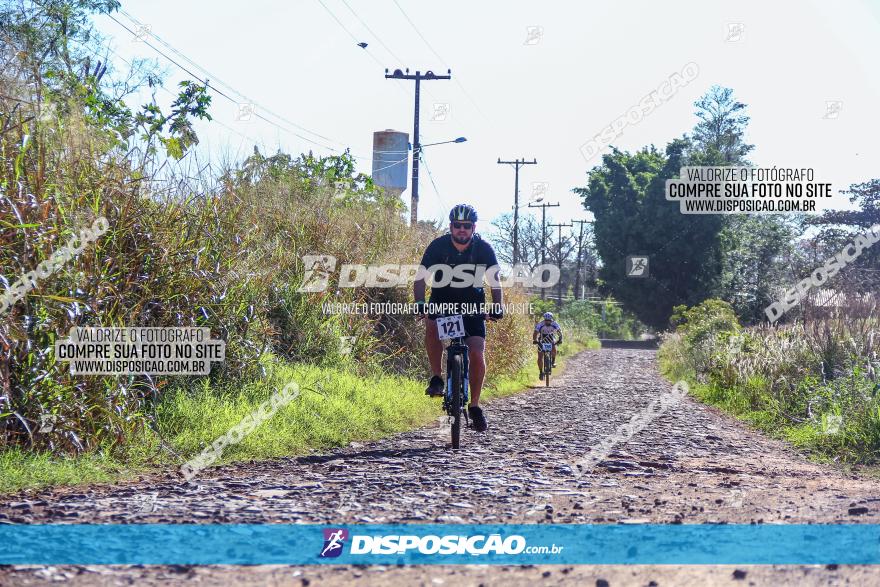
(548, 366)
(457, 376)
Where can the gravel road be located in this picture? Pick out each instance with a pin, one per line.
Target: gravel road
(691, 465)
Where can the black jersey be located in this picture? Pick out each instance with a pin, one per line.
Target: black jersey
(441, 251)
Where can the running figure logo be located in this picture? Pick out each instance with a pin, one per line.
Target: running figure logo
(334, 539)
(636, 266)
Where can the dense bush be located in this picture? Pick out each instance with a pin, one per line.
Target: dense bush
(605, 320)
(815, 383)
(186, 246)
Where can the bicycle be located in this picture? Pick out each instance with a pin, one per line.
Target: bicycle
(545, 347)
(454, 402)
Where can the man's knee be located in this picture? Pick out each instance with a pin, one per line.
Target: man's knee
(476, 346)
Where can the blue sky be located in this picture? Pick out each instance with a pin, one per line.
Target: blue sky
(519, 94)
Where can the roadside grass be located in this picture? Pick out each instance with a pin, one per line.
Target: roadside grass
(334, 407)
(852, 440)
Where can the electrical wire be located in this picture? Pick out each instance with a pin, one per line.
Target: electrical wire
(216, 80)
(206, 83)
(442, 61)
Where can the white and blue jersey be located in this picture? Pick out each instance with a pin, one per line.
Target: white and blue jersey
(548, 332)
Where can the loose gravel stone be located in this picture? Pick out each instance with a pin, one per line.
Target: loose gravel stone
(691, 465)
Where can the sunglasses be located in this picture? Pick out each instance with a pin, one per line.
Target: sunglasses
(464, 225)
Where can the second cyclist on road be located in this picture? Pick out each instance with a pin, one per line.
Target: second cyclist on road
(546, 331)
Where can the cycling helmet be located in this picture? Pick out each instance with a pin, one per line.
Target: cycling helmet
(463, 213)
(548, 316)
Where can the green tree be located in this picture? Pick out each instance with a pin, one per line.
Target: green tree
(626, 194)
(753, 247)
(50, 68)
(718, 139)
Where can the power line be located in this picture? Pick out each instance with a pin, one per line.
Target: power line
(366, 26)
(543, 208)
(560, 225)
(206, 83)
(381, 42)
(443, 61)
(210, 75)
(170, 93)
(417, 77)
(398, 162)
(516, 164)
(355, 39)
(431, 177)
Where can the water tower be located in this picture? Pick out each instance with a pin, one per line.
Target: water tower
(390, 158)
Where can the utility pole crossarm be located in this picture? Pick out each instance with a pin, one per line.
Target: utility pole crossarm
(417, 77)
(517, 163)
(543, 232)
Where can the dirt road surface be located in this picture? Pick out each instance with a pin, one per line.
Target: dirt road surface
(691, 465)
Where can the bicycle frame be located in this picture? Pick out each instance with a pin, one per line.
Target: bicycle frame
(546, 355)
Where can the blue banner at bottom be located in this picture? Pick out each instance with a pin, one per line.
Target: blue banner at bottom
(416, 544)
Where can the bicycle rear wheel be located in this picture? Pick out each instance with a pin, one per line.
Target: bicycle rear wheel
(457, 377)
(547, 368)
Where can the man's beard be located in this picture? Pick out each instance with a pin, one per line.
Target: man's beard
(462, 240)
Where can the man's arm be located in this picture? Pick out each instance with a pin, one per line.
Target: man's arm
(497, 296)
(494, 282)
(419, 284)
(419, 290)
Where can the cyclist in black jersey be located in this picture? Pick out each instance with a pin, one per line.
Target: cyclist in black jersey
(462, 246)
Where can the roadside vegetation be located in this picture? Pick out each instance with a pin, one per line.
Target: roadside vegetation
(190, 244)
(815, 383)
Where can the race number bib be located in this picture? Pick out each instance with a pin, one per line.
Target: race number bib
(450, 327)
(547, 346)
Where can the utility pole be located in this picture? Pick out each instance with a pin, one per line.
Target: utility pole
(543, 232)
(516, 165)
(417, 77)
(560, 259)
(577, 277)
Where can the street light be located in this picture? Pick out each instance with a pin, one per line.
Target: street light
(458, 140)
